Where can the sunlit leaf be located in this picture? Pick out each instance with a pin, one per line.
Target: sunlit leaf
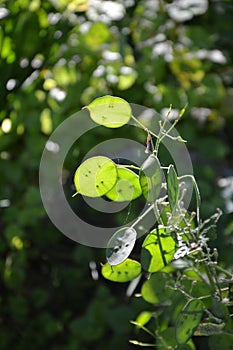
(158, 250)
(120, 245)
(188, 320)
(110, 111)
(124, 272)
(143, 318)
(192, 274)
(126, 188)
(150, 178)
(172, 186)
(95, 176)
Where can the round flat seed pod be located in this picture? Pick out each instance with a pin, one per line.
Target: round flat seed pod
(95, 176)
(110, 111)
(158, 250)
(120, 245)
(124, 272)
(126, 188)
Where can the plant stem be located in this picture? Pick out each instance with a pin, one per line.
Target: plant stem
(209, 274)
(159, 138)
(198, 199)
(143, 126)
(128, 166)
(170, 129)
(227, 273)
(144, 328)
(142, 216)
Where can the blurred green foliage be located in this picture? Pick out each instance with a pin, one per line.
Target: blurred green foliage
(56, 57)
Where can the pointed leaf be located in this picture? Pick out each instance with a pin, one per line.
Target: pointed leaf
(124, 272)
(126, 188)
(188, 320)
(150, 178)
(120, 245)
(95, 176)
(110, 111)
(158, 250)
(172, 187)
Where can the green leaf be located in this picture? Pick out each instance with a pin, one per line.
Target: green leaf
(110, 111)
(158, 250)
(143, 318)
(126, 188)
(167, 339)
(188, 320)
(172, 186)
(124, 272)
(120, 245)
(150, 178)
(220, 310)
(201, 288)
(154, 290)
(221, 341)
(95, 176)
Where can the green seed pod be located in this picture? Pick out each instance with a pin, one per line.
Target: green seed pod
(150, 178)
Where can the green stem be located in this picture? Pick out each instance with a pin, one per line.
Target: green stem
(144, 328)
(136, 342)
(170, 129)
(198, 198)
(159, 138)
(157, 215)
(209, 274)
(142, 216)
(188, 296)
(166, 133)
(143, 126)
(164, 342)
(227, 273)
(161, 248)
(128, 166)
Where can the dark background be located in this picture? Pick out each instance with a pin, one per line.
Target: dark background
(55, 58)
